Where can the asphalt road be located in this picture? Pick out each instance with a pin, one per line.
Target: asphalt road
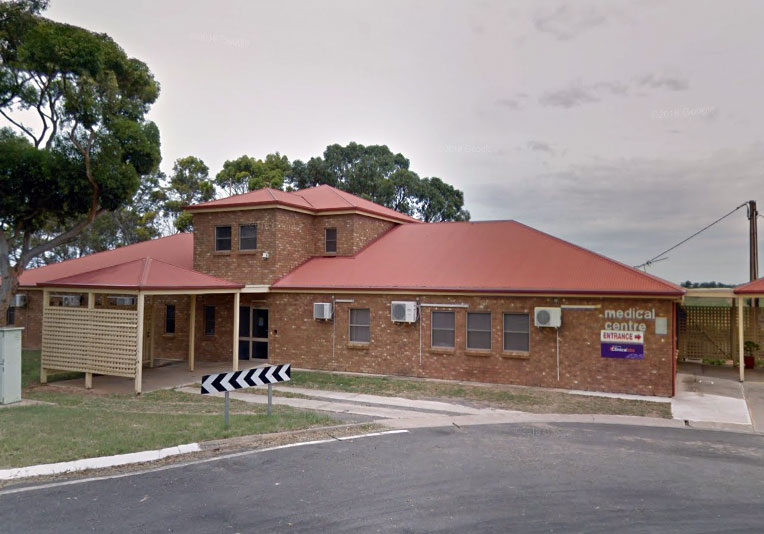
(502, 478)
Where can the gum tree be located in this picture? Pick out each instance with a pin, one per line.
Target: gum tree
(76, 143)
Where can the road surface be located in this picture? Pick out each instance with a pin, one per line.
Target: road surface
(499, 478)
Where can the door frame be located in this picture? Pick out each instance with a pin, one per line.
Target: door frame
(251, 339)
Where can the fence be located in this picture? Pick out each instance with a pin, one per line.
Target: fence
(710, 332)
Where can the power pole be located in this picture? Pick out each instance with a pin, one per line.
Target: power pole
(753, 241)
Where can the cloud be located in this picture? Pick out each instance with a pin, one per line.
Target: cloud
(672, 83)
(632, 209)
(570, 97)
(540, 146)
(568, 21)
(509, 103)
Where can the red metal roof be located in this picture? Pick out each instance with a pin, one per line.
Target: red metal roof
(751, 288)
(492, 256)
(144, 273)
(322, 198)
(176, 249)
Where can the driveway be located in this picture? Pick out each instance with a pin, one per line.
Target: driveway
(493, 478)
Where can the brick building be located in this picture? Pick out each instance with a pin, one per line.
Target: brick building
(327, 280)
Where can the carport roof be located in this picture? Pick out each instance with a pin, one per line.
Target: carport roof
(143, 274)
(751, 288)
(488, 257)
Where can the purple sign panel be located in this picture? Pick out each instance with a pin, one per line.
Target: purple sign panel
(623, 350)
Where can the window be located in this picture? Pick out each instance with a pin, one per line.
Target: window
(222, 238)
(517, 328)
(209, 320)
(11, 318)
(443, 329)
(478, 330)
(331, 240)
(360, 331)
(248, 237)
(169, 319)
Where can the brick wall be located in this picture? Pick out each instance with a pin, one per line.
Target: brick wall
(289, 237)
(30, 318)
(394, 347)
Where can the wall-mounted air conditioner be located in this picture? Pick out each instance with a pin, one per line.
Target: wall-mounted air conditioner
(19, 301)
(403, 311)
(71, 300)
(125, 301)
(551, 317)
(322, 311)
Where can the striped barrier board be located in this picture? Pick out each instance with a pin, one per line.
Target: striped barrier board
(259, 376)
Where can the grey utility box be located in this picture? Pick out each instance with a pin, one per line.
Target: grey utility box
(10, 365)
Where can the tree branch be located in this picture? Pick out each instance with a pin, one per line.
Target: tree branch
(60, 239)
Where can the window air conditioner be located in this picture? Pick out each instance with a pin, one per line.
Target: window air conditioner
(551, 317)
(19, 301)
(403, 312)
(125, 301)
(322, 310)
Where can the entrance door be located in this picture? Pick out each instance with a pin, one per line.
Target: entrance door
(253, 333)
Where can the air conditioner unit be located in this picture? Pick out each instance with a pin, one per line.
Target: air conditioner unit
(125, 301)
(403, 312)
(551, 317)
(322, 310)
(71, 300)
(19, 301)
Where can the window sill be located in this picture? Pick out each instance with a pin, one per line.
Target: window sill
(168, 335)
(515, 355)
(221, 252)
(358, 346)
(441, 350)
(247, 251)
(330, 254)
(478, 352)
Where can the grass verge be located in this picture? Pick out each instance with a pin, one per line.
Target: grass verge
(83, 424)
(507, 397)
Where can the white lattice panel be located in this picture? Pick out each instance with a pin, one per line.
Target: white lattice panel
(95, 341)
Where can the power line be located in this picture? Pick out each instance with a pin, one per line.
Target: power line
(659, 256)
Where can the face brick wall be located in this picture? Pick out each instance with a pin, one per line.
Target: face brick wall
(394, 347)
(30, 318)
(289, 237)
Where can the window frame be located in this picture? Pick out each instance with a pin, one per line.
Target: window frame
(10, 318)
(167, 318)
(230, 238)
(207, 330)
(327, 240)
(241, 236)
(432, 330)
(504, 332)
(490, 331)
(351, 325)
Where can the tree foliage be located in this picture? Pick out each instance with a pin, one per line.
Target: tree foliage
(88, 145)
(247, 173)
(189, 184)
(374, 172)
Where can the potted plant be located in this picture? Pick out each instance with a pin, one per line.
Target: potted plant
(749, 347)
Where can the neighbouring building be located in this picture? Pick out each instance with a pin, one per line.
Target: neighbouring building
(327, 280)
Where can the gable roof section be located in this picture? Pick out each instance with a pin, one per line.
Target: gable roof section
(143, 274)
(491, 257)
(751, 288)
(176, 250)
(319, 199)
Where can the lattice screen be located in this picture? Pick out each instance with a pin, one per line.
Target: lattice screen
(96, 341)
(711, 332)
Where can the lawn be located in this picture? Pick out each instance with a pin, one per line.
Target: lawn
(82, 425)
(535, 400)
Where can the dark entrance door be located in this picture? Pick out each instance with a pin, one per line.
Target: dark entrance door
(253, 333)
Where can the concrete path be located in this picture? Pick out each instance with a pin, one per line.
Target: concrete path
(754, 395)
(710, 399)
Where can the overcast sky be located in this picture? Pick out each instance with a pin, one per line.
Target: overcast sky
(620, 126)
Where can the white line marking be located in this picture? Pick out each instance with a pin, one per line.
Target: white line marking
(195, 462)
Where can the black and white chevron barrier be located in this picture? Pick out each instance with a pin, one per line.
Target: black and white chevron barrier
(259, 376)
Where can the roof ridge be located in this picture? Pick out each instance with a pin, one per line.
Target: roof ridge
(297, 194)
(336, 192)
(92, 270)
(602, 256)
(145, 273)
(268, 189)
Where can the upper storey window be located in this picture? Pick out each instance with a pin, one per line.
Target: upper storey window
(248, 237)
(222, 238)
(330, 240)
